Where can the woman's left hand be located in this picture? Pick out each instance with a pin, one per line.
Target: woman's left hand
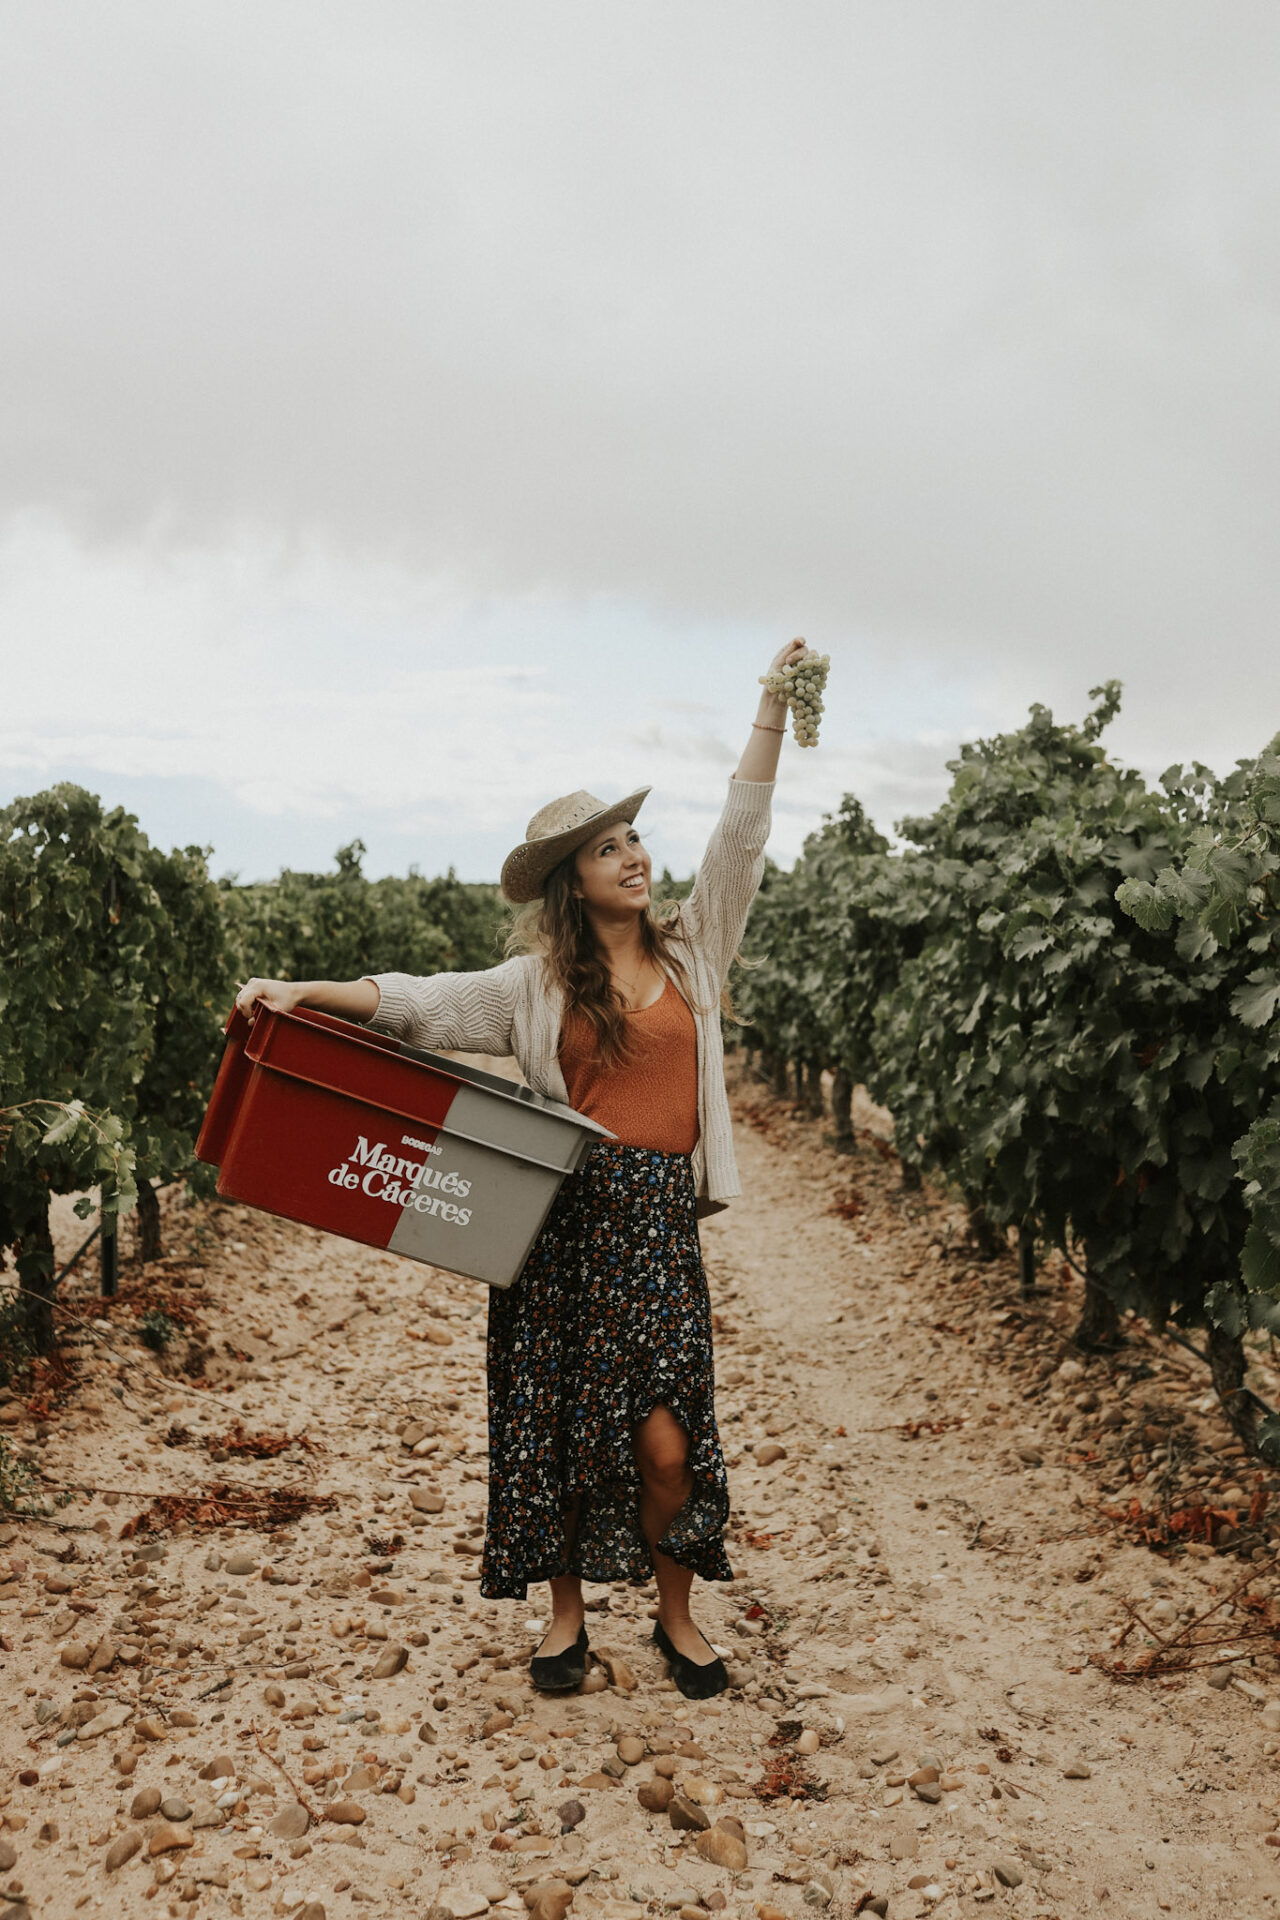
(786, 655)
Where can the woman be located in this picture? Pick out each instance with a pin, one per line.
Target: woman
(604, 1458)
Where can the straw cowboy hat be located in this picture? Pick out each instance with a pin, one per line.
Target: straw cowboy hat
(557, 830)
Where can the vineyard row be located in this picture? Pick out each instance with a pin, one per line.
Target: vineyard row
(118, 963)
(1065, 987)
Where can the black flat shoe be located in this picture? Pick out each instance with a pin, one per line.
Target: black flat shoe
(561, 1672)
(697, 1680)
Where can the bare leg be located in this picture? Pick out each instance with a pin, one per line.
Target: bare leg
(662, 1455)
(566, 1602)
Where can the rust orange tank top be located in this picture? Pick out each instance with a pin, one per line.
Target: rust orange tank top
(652, 1099)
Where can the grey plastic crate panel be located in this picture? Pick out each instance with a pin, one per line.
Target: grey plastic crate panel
(486, 1218)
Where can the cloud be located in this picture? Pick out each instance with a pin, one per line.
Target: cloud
(949, 328)
(276, 702)
(707, 748)
(300, 689)
(272, 704)
(415, 411)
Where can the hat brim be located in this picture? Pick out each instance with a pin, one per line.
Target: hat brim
(525, 869)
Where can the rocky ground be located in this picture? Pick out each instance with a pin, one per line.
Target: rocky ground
(249, 1670)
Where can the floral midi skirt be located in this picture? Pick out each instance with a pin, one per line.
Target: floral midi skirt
(610, 1319)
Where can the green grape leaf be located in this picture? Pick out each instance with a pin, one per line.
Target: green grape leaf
(1255, 1002)
(1028, 943)
(1224, 1307)
(1264, 792)
(1221, 919)
(64, 1126)
(1230, 870)
(1149, 906)
(970, 1020)
(1264, 1311)
(1260, 1261)
(1189, 890)
(1195, 942)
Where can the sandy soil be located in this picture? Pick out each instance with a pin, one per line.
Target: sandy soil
(926, 1577)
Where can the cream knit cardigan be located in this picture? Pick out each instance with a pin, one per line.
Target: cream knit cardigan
(513, 1009)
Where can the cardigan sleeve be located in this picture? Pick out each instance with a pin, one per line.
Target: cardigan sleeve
(715, 912)
(468, 1012)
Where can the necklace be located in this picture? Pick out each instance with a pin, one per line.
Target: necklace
(631, 985)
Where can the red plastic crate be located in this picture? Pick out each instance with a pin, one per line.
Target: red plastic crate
(324, 1122)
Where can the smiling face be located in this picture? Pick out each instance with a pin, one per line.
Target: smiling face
(612, 872)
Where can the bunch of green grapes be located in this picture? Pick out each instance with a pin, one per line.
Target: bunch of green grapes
(802, 684)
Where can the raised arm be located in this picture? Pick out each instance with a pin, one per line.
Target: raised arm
(729, 873)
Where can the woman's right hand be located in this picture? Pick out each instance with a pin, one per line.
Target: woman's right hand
(280, 996)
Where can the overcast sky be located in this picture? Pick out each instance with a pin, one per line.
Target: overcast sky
(413, 411)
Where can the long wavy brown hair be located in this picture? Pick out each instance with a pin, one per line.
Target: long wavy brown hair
(556, 927)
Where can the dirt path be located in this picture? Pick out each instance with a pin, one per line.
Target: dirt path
(336, 1723)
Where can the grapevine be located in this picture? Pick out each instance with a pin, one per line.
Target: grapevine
(801, 683)
(1065, 988)
(117, 965)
